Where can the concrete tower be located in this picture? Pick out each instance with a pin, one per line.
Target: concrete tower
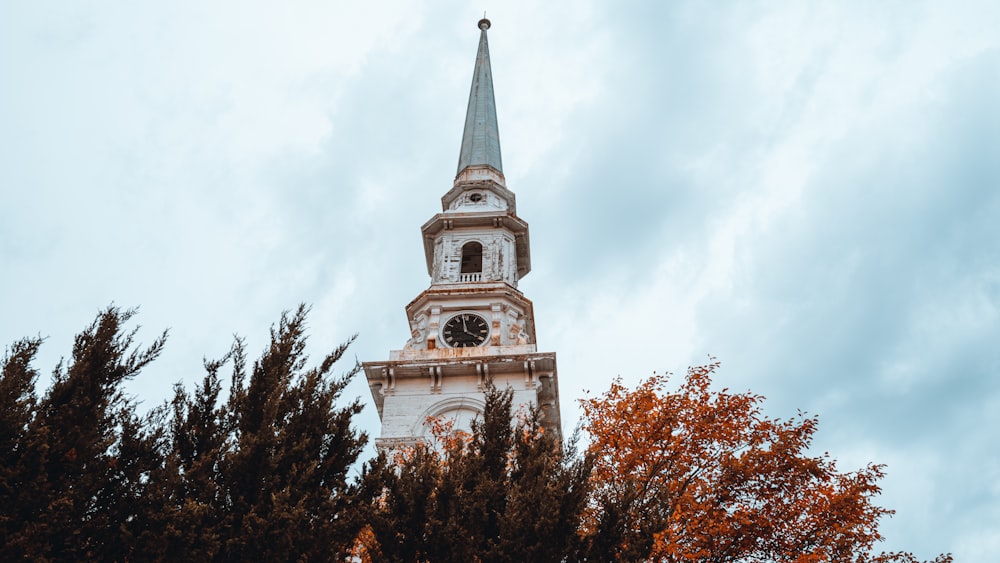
(472, 324)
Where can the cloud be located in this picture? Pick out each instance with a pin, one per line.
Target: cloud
(807, 191)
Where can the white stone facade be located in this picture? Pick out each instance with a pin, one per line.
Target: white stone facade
(472, 325)
(432, 377)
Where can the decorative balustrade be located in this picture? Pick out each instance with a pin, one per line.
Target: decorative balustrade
(465, 278)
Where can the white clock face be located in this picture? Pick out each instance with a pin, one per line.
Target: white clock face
(465, 329)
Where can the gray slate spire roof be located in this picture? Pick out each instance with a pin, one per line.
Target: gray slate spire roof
(481, 137)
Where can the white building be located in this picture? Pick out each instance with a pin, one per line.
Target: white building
(472, 323)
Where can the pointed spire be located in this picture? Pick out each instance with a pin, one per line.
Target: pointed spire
(481, 137)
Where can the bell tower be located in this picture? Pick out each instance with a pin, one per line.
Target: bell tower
(472, 324)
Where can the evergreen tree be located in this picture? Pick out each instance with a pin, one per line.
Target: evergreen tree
(79, 460)
(507, 492)
(263, 475)
(17, 407)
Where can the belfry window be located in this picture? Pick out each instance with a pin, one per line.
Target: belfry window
(472, 258)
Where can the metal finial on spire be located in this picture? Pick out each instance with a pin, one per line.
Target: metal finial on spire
(481, 137)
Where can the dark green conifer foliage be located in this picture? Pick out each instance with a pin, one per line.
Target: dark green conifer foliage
(261, 475)
(285, 469)
(509, 493)
(17, 405)
(187, 524)
(78, 467)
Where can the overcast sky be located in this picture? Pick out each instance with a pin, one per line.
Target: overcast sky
(809, 191)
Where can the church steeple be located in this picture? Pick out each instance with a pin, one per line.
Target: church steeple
(472, 326)
(481, 136)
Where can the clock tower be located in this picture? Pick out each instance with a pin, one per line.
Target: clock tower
(472, 324)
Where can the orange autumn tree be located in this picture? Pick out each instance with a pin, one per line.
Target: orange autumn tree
(698, 475)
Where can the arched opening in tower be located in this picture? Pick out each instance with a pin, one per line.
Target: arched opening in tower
(472, 258)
